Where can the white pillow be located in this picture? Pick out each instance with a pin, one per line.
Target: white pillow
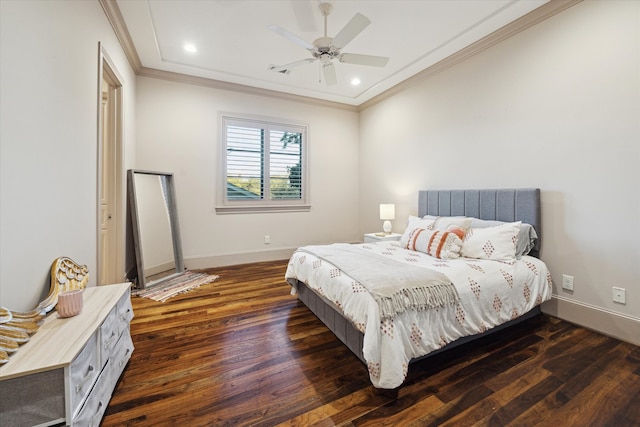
(413, 223)
(495, 243)
(445, 223)
(526, 238)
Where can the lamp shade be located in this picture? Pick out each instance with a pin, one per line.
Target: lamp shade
(387, 211)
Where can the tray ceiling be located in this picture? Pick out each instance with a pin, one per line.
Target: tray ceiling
(235, 45)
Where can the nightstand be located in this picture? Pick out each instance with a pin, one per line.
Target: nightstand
(375, 237)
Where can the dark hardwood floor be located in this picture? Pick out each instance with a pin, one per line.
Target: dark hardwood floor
(243, 351)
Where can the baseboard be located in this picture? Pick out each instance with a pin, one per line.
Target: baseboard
(607, 322)
(238, 258)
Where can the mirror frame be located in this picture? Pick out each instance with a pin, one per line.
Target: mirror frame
(172, 208)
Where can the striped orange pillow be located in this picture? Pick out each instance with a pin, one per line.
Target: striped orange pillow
(438, 244)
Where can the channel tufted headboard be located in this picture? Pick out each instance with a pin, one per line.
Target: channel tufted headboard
(506, 204)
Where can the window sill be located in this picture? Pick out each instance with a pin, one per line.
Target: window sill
(223, 210)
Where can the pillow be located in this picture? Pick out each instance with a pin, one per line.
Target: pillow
(438, 244)
(495, 243)
(526, 238)
(456, 224)
(413, 223)
(445, 223)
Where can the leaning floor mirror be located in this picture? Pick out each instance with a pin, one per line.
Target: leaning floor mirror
(155, 227)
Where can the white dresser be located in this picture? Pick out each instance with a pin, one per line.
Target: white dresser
(66, 373)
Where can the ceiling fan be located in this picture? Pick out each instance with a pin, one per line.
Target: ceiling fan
(326, 49)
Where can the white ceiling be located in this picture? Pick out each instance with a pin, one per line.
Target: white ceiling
(234, 44)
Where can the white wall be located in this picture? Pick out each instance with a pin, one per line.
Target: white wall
(48, 139)
(177, 131)
(555, 107)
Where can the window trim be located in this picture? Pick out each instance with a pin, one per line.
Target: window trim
(225, 206)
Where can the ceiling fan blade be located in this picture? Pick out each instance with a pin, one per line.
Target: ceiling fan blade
(286, 67)
(286, 34)
(371, 60)
(329, 72)
(358, 23)
(304, 15)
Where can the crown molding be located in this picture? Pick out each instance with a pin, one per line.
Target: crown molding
(235, 87)
(112, 11)
(532, 18)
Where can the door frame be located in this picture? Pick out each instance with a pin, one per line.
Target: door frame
(108, 71)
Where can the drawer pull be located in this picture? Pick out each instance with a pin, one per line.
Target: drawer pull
(126, 357)
(93, 418)
(125, 316)
(86, 378)
(109, 342)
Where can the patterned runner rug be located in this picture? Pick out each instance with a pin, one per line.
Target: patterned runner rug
(185, 282)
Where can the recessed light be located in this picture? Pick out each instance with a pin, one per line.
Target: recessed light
(355, 81)
(191, 48)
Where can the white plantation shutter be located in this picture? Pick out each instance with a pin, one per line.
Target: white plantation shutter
(245, 162)
(263, 166)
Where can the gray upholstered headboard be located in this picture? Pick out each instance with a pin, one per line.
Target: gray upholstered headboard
(507, 204)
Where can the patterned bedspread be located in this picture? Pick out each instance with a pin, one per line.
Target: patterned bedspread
(491, 293)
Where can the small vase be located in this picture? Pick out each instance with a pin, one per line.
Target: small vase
(69, 303)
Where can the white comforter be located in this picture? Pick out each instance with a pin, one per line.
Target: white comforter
(491, 293)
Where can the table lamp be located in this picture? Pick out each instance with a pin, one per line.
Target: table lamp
(387, 213)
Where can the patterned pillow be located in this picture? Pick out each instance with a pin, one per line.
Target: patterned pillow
(496, 243)
(526, 238)
(438, 244)
(412, 223)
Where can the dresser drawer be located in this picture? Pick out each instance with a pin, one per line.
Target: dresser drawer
(125, 311)
(109, 334)
(91, 413)
(114, 325)
(83, 372)
(120, 356)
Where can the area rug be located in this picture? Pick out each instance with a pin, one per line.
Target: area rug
(185, 282)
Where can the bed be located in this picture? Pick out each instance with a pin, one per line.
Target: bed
(471, 292)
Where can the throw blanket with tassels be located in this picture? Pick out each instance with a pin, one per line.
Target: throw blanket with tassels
(396, 287)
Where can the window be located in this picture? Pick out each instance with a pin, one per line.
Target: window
(263, 166)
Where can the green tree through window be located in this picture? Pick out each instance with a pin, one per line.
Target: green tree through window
(293, 187)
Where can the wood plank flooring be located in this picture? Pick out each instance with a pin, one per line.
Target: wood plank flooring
(243, 351)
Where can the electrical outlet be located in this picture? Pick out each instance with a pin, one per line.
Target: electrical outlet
(267, 240)
(619, 295)
(567, 282)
